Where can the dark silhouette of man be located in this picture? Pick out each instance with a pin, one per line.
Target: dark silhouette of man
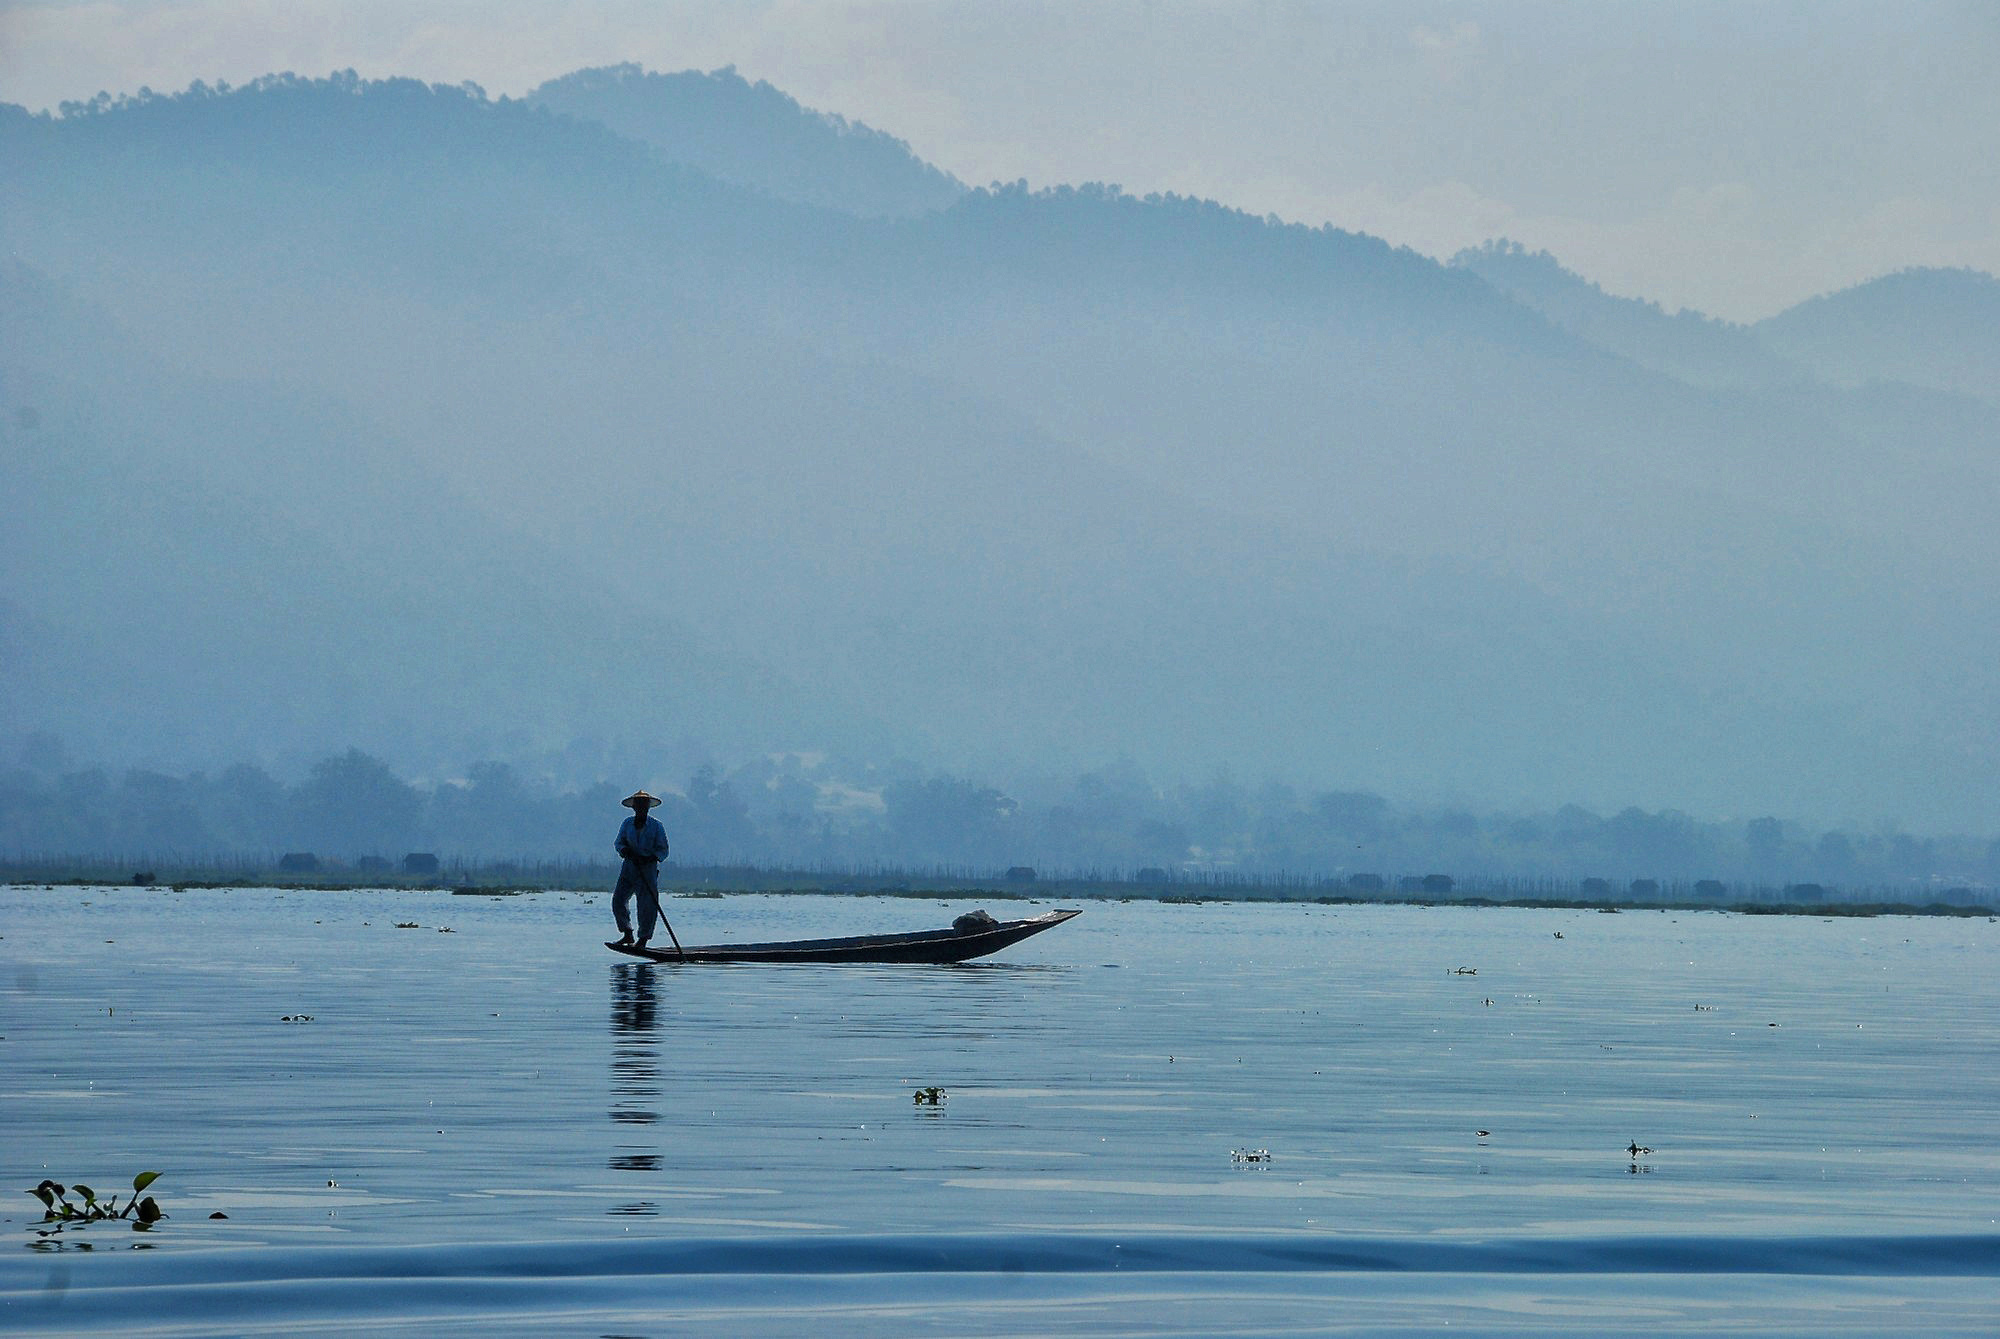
(643, 843)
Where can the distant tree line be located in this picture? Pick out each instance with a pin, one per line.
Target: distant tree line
(816, 812)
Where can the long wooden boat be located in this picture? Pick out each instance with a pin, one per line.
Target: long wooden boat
(914, 946)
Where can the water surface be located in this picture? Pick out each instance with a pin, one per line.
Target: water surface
(506, 1128)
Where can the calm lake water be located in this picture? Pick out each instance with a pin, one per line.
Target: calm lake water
(506, 1129)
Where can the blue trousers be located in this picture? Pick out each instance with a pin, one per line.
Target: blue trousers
(643, 878)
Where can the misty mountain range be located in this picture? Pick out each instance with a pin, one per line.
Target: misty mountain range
(650, 418)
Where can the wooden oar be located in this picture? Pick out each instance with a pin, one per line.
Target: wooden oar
(671, 935)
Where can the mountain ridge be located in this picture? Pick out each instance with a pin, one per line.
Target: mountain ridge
(755, 135)
(1685, 345)
(1937, 328)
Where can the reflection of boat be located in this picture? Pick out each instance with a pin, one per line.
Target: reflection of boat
(915, 946)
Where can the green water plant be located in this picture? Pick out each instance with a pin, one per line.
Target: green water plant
(929, 1097)
(57, 1207)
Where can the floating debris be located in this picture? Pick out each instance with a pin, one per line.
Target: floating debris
(1484, 1134)
(1465, 971)
(296, 1018)
(929, 1097)
(1636, 1149)
(1250, 1155)
(408, 925)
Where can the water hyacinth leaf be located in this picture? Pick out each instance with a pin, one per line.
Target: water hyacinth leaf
(89, 1195)
(42, 1193)
(149, 1210)
(142, 1180)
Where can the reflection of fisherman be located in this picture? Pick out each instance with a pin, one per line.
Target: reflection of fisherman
(643, 843)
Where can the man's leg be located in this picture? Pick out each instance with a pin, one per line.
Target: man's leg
(649, 911)
(621, 911)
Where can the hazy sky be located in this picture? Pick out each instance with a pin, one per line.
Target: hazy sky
(1734, 157)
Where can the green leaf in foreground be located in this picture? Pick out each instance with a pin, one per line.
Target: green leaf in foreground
(60, 1211)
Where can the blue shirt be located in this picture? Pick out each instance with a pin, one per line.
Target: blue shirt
(648, 843)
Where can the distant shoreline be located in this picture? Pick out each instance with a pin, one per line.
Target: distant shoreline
(723, 881)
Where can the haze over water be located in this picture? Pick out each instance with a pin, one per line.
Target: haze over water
(652, 419)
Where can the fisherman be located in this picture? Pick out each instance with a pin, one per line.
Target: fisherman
(643, 843)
